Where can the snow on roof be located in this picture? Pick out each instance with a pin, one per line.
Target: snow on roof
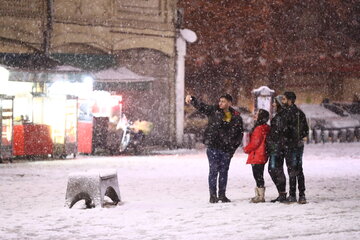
(263, 90)
(93, 172)
(121, 74)
(315, 110)
(66, 68)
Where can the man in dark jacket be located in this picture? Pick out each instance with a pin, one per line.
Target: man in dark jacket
(296, 132)
(275, 149)
(222, 137)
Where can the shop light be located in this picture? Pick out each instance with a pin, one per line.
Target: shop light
(59, 87)
(101, 106)
(4, 74)
(86, 87)
(55, 117)
(116, 100)
(81, 89)
(88, 81)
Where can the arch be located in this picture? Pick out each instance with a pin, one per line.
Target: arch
(111, 193)
(99, 43)
(91, 40)
(83, 196)
(12, 35)
(164, 45)
(78, 48)
(141, 51)
(15, 44)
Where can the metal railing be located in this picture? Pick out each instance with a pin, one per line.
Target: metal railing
(341, 135)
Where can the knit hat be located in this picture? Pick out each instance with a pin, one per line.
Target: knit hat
(278, 99)
(227, 97)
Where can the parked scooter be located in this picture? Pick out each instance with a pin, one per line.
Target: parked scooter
(132, 135)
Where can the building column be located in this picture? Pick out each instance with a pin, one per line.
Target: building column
(185, 35)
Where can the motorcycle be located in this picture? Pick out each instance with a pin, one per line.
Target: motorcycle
(132, 135)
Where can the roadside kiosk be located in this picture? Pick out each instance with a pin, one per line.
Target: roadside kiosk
(263, 98)
(6, 126)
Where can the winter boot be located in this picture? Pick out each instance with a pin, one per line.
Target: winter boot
(260, 195)
(223, 198)
(302, 199)
(281, 198)
(291, 199)
(213, 198)
(257, 195)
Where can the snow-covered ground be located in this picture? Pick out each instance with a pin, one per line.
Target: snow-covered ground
(165, 196)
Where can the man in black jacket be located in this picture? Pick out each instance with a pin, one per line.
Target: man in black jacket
(222, 137)
(275, 149)
(296, 132)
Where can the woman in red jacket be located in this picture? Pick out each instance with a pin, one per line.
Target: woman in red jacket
(257, 153)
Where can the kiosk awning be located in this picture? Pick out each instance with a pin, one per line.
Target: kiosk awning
(120, 79)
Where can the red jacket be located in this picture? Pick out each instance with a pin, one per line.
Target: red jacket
(257, 147)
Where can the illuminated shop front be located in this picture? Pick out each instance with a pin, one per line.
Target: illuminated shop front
(45, 111)
(56, 112)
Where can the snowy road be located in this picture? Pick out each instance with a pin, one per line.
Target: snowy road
(166, 197)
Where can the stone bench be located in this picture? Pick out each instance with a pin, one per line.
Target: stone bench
(92, 187)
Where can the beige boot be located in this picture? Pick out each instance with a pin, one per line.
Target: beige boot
(255, 199)
(260, 195)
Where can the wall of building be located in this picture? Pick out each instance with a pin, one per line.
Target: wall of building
(106, 25)
(22, 25)
(139, 34)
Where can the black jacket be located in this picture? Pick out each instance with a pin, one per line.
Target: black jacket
(219, 134)
(275, 141)
(296, 127)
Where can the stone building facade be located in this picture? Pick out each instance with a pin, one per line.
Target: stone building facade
(139, 35)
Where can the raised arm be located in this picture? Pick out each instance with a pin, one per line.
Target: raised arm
(202, 107)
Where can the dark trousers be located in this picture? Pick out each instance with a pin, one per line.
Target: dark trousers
(219, 162)
(276, 171)
(258, 172)
(295, 170)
